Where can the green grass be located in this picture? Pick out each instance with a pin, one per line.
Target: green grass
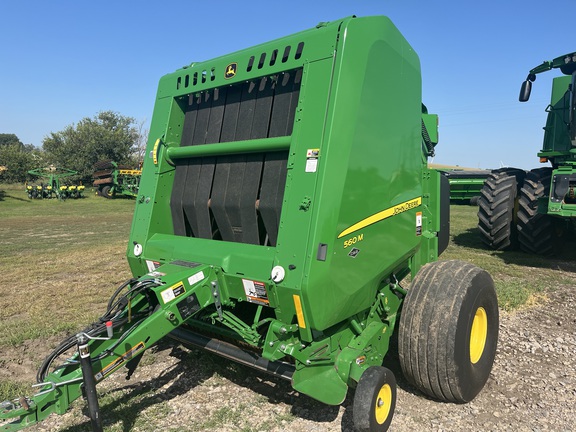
(520, 278)
(60, 259)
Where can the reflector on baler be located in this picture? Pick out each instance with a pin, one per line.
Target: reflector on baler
(235, 197)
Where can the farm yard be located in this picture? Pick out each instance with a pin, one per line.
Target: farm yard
(62, 260)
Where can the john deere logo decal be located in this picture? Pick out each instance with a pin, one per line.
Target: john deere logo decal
(231, 70)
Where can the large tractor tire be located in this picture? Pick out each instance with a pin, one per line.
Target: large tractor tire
(536, 231)
(374, 400)
(497, 208)
(448, 330)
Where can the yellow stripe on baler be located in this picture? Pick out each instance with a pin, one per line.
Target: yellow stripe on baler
(299, 313)
(384, 214)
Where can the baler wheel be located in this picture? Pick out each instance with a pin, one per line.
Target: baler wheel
(448, 330)
(374, 400)
(497, 208)
(536, 232)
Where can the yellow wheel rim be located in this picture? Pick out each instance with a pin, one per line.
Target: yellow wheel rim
(383, 403)
(478, 335)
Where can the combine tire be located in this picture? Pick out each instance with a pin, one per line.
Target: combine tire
(536, 233)
(448, 330)
(496, 211)
(374, 400)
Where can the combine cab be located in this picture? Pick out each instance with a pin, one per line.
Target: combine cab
(286, 198)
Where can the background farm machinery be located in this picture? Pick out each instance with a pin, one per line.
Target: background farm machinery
(465, 185)
(111, 180)
(536, 210)
(53, 185)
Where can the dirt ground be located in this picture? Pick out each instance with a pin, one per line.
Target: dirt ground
(532, 388)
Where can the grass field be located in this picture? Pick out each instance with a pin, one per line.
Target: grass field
(61, 260)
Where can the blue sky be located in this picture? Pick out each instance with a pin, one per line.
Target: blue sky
(61, 61)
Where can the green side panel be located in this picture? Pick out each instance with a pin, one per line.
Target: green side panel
(370, 162)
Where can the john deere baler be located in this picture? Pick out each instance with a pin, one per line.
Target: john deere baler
(284, 198)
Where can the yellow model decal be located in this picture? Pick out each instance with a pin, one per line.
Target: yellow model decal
(353, 240)
(384, 214)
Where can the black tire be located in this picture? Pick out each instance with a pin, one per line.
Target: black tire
(536, 231)
(106, 192)
(374, 400)
(448, 330)
(496, 208)
(474, 200)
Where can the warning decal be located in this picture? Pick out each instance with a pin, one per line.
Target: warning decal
(174, 291)
(255, 292)
(419, 223)
(312, 160)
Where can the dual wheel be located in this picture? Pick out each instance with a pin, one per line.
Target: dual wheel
(447, 338)
(508, 215)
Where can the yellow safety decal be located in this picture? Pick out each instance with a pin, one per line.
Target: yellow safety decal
(384, 214)
(174, 291)
(299, 313)
(155, 151)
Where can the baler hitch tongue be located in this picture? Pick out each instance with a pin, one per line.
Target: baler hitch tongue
(10, 410)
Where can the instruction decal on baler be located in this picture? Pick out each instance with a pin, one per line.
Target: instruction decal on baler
(152, 265)
(384, 214)
(174, 291)
(312, 160)
(419, 223)
(127, 356)
(255, 292)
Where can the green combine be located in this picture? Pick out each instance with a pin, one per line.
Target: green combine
(284, 204)
(537, 210)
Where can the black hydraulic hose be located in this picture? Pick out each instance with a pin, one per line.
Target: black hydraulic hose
(98, 327)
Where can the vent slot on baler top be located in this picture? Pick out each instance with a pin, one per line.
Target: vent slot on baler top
(236, 197)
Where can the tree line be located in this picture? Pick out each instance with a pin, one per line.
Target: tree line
(106, 136)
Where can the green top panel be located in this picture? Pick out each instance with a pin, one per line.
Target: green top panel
(282, 54)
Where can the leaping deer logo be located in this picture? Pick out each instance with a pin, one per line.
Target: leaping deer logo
(230, 70)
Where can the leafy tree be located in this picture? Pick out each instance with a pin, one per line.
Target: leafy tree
(7, 139)
(107, 136)
(18, 159)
